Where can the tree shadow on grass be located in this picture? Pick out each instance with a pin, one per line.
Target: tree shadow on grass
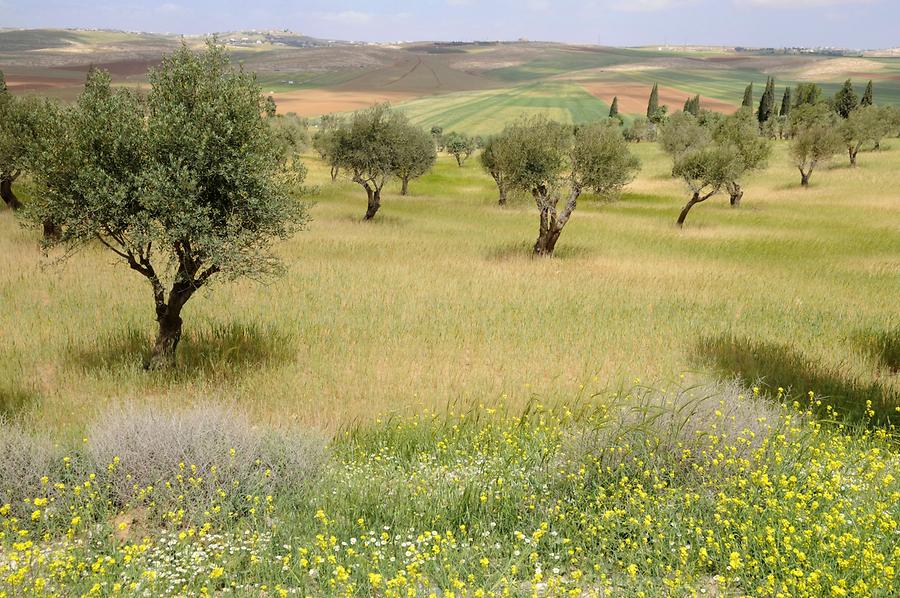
(525, 249)
(218, 351)
(771, 365)
(883, 346)
(16, 399)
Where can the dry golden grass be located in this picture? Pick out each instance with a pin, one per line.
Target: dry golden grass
(438, 301)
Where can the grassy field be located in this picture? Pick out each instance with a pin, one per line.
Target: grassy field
(419, 407)
(439, 302)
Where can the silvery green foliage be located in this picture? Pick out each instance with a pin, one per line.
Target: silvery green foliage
(186, 181)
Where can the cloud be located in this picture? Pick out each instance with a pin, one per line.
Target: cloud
(802, 3)
(169, 8)
(649, 5)
(346, 17)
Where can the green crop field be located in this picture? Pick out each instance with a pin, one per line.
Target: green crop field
(485, 112)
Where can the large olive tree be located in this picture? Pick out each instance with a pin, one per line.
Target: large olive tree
(184, 186)
(550, 160)
(367, 149)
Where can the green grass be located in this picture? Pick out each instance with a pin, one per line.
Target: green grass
(486, 112)
(438, 301)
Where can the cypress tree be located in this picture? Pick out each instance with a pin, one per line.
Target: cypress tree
(748, 97)
(869, 96)
(692, 105)
(807, 93)
(846, 100)
(653, 104)
(767, 102)
(786, 102)
(614, 108)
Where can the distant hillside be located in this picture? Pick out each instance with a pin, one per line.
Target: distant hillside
(473, 86)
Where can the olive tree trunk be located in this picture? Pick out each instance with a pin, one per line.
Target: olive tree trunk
(736, 193)
(162, 354)
(374, 201)
(695, 199)
(854, 151)
(501, 187)
(404, 185)
(804, 177)
(52, 232)
(335, 170)
(6, 191)
(552, 222)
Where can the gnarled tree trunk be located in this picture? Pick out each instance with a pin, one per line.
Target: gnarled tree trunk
(374, 197)
(6, 192)
(162, 355)
(695, 199)
(804, 177)
(52, 232)
(404, 185)
(552, 223)
(501, 187)
(736, 193)
(335, 170)
(854, 151)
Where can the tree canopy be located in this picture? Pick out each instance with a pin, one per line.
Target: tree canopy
(377, 144)
(460, 146)
(549, 160)
(415, 155)
(816, 138)
(183, 186)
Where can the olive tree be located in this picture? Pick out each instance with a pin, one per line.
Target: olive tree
(706, 170)
(20, 121)
(291, 134)
(816, 138)
(185, 186)
(367, 149)
(495, 160)
(864, 125)
(550, 160)
(459, 146)
(681, 133)
(740, 132)
(415, 155)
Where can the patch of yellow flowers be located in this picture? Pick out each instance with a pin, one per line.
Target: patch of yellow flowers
(486, 504)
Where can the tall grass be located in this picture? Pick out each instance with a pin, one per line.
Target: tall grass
(438, 300)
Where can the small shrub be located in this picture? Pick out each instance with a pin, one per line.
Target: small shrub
(673, 427)
(199, 458)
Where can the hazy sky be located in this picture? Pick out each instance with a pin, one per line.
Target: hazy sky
(846, 23)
